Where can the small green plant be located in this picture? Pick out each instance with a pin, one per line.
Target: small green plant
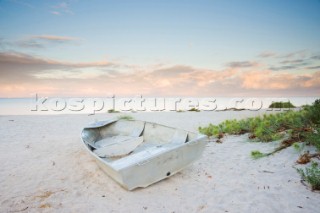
(194, 110)
(112, 111)
(256, 154)
(298, 146)
(311, 175)
(313, 112)
(211, 130)
(314, 138)
(179, 110)
(125, 117)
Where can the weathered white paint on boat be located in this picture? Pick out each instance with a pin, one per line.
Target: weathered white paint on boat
(141, 153)
(120, 146)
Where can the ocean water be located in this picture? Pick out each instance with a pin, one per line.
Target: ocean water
(45, 106)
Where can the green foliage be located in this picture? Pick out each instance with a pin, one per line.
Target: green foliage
(211, 130)
(311, 175)
(302, 125)
(313, 112)
(112, 111)
(270, 127)
(257, 154)
(314, 138)
(267, 131)
(125, 117)
(298, 146)
(264, 129)
(194, 110)
(282, 105)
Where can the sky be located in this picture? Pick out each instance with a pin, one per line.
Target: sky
(167, 48)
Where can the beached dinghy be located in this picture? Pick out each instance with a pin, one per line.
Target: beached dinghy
(138, 153)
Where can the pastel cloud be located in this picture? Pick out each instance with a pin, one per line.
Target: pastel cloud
(18, 68)
(314, 68)
(292, 61)
(25, 74)
(54, 38)
(295, 61)
(267, 54)
(38, 41)
(280, 81)
(16, 59)
(242, 64)
(55, 13)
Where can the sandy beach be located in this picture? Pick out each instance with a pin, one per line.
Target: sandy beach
(46, 169)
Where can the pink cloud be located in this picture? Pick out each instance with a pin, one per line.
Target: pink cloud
(281, 81)
(22, 75)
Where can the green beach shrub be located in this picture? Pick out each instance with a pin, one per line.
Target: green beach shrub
(270, 126)
(297, 126)
(314, 138)
(311, 175)
(313, 112)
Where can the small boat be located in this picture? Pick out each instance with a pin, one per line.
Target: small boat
(138, 153)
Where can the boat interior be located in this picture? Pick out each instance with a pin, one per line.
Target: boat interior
(119, 138)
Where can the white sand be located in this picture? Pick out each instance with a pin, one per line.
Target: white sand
(45, 168)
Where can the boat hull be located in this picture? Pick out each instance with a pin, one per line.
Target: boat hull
(148, 165)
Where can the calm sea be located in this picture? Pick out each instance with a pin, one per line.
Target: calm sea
(44, 106)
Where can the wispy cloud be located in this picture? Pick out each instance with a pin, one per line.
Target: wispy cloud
(290, 65)
(38, 41)
(287, 67)
(315, 57)
(28, 44)
(299, 54)
(267, 54)
(292, 61)
(314, 68)
(298, 60)
(242, 64)
(54, 38)
(55, 13)
(62, 8)
(19, 59)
